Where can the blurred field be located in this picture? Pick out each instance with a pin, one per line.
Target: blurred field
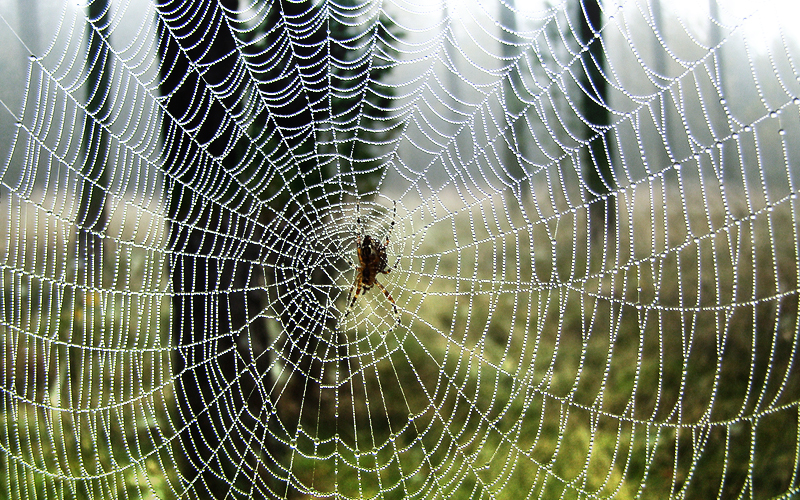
(659, 368)
(87, 371)
(523, 365)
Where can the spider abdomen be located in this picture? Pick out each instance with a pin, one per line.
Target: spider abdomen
(374, 260)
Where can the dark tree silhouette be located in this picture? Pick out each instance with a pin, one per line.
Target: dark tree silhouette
(217, 403)
(664, 116)
(91, 218)
(516, 134)
(598, 172)
(241, 204)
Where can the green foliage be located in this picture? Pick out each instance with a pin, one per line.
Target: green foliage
(88, 414)
(487, 384)
(330, 112)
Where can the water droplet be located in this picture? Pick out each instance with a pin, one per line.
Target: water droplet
(723, 101)
(18, 124)
(748, 128)
(782, 131)
(796, 100)
(676, 166)
(31, 57)
(735, 137)
(773, 114)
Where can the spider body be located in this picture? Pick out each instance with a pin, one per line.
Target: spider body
(372, 261)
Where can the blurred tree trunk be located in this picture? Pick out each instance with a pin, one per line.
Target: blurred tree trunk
(664, 117)
(219, 362)
(715, 35)
(91, 218)
(720, 125)
(304, 322)
(599, 175)
(455, 89)
(516, 133)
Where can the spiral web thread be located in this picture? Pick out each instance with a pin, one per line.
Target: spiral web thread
(654, 359)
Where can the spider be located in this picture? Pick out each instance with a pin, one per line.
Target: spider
(372, 260)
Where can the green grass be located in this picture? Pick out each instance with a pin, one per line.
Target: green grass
(88, 372)
(522, 367)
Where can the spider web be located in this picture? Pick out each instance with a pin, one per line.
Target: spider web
(179, 226)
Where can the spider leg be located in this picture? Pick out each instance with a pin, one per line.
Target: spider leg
(386, 242)
(350, 294)
(389, 297)
(391, 226)
(359, 227)
(351, 297)
(388, 270)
